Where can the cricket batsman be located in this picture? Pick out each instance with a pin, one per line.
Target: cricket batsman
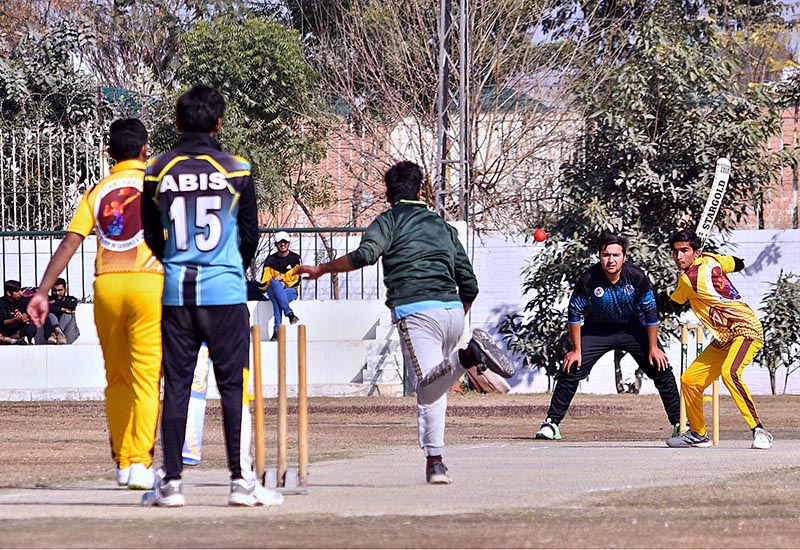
(738, 336)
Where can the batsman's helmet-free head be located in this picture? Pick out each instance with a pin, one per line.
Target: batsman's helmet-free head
(685, 235)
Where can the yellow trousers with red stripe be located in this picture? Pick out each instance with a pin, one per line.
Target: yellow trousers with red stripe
(707, 367)
(127, 313)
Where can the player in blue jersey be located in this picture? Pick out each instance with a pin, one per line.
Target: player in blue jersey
(200, 219)
(616, 303)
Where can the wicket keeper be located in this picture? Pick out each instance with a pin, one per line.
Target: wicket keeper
(615, 302)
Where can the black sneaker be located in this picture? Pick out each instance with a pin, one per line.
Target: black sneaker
(489, 356)
(293, 319)
(436, 474)
(274, 337)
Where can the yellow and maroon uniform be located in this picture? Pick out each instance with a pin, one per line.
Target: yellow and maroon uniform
(737, 336)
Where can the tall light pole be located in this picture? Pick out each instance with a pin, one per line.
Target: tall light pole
(453, 133)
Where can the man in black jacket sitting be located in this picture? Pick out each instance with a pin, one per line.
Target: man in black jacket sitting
(15, 325)
(60, 326)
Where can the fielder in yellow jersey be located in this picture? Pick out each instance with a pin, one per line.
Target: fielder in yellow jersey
(127, 302)
(738, 336)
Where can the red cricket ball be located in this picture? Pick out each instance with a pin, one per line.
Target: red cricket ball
(540, 235)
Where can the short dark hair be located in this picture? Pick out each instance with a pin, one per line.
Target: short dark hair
(613, 239)
(403, 181)
(60, 282)
(126, 137)
(12, 286)
(685, 235)
(199, 109)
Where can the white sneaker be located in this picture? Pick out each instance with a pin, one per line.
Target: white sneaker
(762, 439)
(141, 477)
(548, 430)
(123, 474)
(252, 493)
(167, 494)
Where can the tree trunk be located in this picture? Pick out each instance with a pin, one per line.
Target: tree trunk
(795, 144)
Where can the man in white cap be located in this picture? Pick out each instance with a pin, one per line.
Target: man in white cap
(280, 280)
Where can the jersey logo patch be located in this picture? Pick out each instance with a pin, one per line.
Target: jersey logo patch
(118, 215)
(723, 285)
(599, 291)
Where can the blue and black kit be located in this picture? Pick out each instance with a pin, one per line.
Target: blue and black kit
(614, 317)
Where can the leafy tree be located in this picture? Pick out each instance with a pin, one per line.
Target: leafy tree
(645, 164)
(19, 17)
(272, 114)
(760, 39)
(40, 79)
(138, 44)
(47, 104)
(311, 17)
(780, 308)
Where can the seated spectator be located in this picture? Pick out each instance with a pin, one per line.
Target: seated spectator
(280, 281)
(16, 327)
(60, 326)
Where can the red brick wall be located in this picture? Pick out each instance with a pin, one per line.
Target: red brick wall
(354, 167)
(781, 201)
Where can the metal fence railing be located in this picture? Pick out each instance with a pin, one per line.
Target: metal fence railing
(316, 246)
(44, 170)
(24, 256)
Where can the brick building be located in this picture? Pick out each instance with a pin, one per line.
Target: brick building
(782, 202)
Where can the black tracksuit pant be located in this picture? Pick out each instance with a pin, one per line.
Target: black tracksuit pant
(596, 341)
(226, 332)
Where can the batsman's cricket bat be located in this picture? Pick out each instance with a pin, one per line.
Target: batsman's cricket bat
(195, 420)
(721, 176)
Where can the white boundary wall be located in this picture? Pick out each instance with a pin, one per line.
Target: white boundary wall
(500, 260)
(340, 333)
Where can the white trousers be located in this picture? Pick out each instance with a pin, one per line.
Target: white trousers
(245, 443)
(429, 341)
